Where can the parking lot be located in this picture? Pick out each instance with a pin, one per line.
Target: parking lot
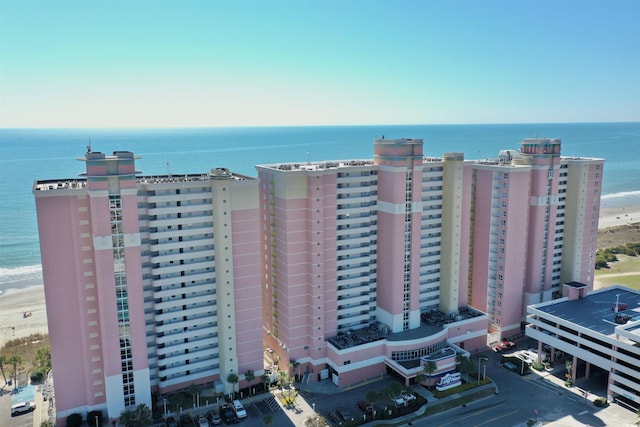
(24, 420)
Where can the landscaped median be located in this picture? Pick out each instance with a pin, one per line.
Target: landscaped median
(436, 408)
(419, 409)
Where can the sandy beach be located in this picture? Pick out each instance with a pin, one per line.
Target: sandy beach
(612, 217)
(14, 302)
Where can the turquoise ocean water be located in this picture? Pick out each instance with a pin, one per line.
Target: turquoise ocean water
(27, 155)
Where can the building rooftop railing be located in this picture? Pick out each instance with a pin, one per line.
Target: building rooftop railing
(58, 184)
(80, 183)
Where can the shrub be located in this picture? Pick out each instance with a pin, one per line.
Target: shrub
(537, 366)
(74, 420)
(37, 376)
(600, 402)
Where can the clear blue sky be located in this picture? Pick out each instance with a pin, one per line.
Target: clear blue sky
(262, 63)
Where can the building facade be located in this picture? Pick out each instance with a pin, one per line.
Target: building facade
(534, 227)
(340, 270)
(151, 283)
(358, 279)
(598, 331)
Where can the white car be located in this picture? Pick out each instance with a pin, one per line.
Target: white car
(399, 401)
(22, 408)
(240, 411)
(408, 397)
(202, 422)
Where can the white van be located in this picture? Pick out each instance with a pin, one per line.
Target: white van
(22, 408)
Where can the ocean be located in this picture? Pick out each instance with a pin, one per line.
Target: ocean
(34, 154)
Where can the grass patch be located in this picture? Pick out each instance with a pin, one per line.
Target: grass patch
(632, 281)
(25, 348)
(625, 264)
(463, 387)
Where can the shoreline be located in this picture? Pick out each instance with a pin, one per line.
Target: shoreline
(616, 216)
(19, 295)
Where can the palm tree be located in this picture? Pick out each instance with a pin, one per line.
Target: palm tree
(15, 360)
(140, 416)
(429, 368)
(265, 381)
(194, 390)
(464, 363)
(294, 365)
(233, 379)
(284, 379)
(249, 376)
(43, 359)
(395, 389)
(2, 361)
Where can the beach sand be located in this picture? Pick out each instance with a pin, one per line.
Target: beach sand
(612, 217)
(13, 305)
(14, 302)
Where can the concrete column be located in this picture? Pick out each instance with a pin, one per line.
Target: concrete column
(539, 352)
(574, 369)
(587, 369)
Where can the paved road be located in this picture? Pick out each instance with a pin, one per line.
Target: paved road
(518, 400)
(533, 396)
(6, 420)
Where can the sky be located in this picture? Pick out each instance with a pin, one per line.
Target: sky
(330, 62)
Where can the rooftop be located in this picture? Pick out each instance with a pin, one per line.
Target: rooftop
(79, 183)
(335, 164)
(431, 323)
(597, 311)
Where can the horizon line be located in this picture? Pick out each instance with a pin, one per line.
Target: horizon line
(302, 125)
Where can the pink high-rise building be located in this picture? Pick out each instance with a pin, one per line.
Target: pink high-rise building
(365, 266)
(535, 223)
(151, 283)
(362, 267)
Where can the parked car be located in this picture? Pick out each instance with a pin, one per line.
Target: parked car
(334, 418)
(228, 414)
(408, 397)
(186, 421)
(366, 408)
(214, 417)
(22, 408)
(202, 422)
(364, 405)
(398, 401)
(345, 414)
(170, 422)
(239, 409)
(504, 345)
